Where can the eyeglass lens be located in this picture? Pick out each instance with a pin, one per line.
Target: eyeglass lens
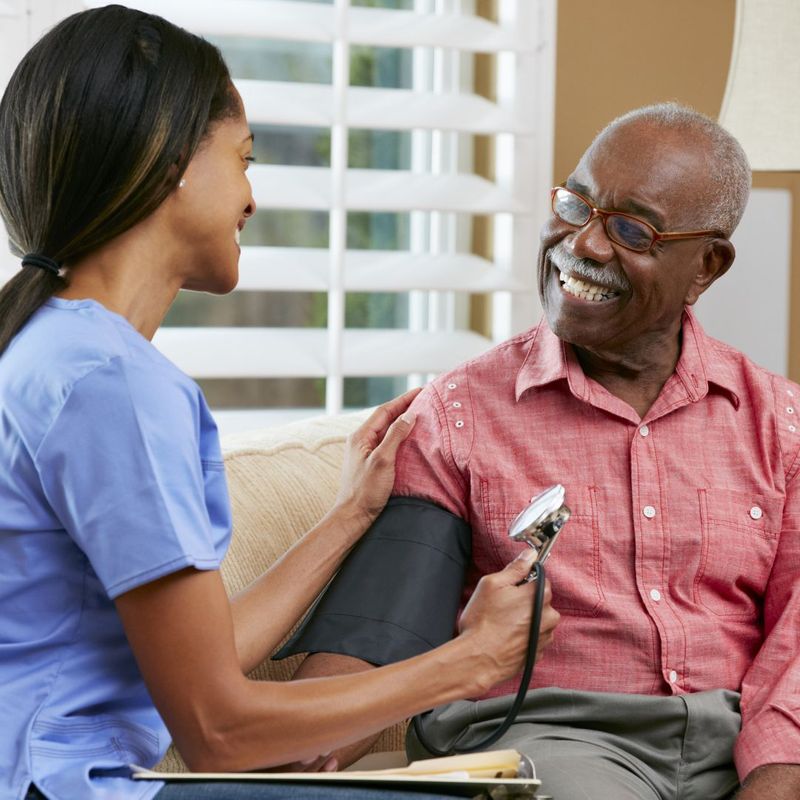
(574, 210)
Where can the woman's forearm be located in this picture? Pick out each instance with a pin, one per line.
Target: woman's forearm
(266, 610)
(264, 724)
(180, 628)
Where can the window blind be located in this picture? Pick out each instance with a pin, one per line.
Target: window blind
(437, 192)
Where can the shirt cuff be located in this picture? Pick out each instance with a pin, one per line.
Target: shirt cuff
(772, 736)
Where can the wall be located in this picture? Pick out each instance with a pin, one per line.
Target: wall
(615, 55)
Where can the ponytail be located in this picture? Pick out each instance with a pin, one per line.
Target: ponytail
(97, 125)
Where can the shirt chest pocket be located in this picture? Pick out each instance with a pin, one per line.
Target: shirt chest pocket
(740, 535)
(574, 566)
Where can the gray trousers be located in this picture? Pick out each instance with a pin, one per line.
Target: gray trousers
(604, 746)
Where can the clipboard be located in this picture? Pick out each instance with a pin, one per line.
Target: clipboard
(483, 775)
(456, 784)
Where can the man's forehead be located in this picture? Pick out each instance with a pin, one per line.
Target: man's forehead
(646, 134)
(650, 171)
(642, 144)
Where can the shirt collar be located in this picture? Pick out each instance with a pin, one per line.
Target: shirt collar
(545, 362)
(700, 364)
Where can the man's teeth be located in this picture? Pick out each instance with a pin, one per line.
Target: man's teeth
(584, 290)
(236, 236)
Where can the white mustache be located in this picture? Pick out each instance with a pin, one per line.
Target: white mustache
(587, 269)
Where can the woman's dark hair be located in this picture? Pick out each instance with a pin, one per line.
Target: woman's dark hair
(97, 125)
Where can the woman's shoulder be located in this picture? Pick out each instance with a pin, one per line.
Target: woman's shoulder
(78, 348)
(68, 339)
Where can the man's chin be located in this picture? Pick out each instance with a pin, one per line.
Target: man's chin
(574, 330)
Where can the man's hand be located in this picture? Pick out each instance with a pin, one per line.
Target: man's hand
(773, 781)
(319, 665)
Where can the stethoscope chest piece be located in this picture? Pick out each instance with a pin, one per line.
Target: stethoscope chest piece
(539, 524)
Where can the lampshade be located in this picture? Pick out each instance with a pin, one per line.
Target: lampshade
(761, 107)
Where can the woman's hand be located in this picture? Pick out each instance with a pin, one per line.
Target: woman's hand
(368, 468)
(499, 614)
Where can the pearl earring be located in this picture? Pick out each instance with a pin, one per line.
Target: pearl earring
(182, 184)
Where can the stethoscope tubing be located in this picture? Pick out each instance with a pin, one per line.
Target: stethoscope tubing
(530, 661)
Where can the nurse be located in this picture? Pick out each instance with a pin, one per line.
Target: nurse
(123, 159)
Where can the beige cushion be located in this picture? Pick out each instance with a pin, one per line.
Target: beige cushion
(281, 482)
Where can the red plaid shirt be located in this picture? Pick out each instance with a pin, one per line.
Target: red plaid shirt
(679, 570)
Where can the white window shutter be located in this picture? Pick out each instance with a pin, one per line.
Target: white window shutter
(436, 191)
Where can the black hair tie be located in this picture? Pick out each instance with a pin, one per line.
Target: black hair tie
(43, 262)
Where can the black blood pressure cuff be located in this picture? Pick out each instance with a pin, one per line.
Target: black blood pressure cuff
(397, 593)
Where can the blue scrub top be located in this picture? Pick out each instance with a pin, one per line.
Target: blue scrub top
(111, 476)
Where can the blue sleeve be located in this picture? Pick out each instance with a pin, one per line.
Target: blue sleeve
(122, 469)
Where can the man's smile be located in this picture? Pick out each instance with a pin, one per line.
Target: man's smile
(584, 279)
(585, 290)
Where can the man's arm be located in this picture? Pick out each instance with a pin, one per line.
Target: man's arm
(775, 781)
(425, 468)
(769, 741)
(320, 665)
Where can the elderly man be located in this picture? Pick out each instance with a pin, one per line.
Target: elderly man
(678, 576)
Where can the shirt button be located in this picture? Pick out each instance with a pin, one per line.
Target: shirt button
(756, 512)
(789, 410)
(456, 404)
(673, 676)
(655, 594)
(459, 423)
(451, 386)
(649, 512)
(644, 430)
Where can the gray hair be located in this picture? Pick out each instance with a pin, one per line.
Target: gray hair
(729, 168)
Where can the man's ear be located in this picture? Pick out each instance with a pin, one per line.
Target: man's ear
(717, 257)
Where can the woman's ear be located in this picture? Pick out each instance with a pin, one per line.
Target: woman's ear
(716, 259)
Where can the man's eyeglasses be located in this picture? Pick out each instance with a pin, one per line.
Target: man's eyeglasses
(626, 230)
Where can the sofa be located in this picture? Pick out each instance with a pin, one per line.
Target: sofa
(281, 481)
